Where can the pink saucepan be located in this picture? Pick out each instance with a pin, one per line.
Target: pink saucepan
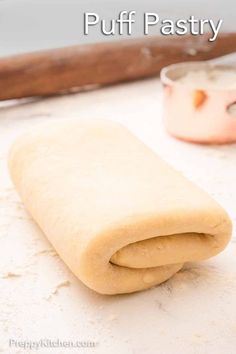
(198, 114)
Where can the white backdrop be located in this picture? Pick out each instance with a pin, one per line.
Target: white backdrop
(27, 25)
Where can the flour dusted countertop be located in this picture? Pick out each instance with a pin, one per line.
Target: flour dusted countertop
(193, 313)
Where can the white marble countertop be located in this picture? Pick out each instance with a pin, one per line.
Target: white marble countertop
(193, 313)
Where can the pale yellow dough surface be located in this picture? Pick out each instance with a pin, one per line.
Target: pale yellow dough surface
(118, 215)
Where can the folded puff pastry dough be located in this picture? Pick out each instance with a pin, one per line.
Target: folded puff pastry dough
(119, 216)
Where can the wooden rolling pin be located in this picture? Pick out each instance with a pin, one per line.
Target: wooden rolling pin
(49, 72)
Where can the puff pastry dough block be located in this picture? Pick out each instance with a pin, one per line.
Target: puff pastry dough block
(119, 216)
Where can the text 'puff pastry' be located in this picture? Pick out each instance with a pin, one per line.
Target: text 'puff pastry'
(120, 217)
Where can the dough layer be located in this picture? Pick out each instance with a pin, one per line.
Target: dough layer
(120, 217)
